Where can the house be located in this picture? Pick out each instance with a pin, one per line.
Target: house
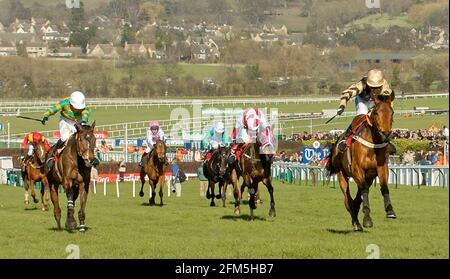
(106, 51)
(66, 52)
(8, 49)
(36, 50)
(140, 49)
(56, 37)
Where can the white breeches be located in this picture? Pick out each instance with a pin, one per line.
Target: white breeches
(66, 128)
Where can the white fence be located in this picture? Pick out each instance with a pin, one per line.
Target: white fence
(39, 105)
(413, 175)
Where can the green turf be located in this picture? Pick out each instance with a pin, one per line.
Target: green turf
(383, 21)
(311, 222)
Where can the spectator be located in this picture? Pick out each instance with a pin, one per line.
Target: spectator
(424, 162)
(104, 148)
(176, 183)
(122, 169)
(203, 181)
(94, 172)
(314, 173)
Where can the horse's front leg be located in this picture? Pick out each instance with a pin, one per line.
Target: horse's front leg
(26, 186)
(71, 223)
(161, 182)
(237, 196)
(83, 189)
(142, 176)
(153, 193)
(363, 189)
(45, 193)
(223, 191)
(210, 193)
(252, 202)
(383, 175)
(268, 182)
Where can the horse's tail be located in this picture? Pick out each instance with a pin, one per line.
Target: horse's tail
(330, 169)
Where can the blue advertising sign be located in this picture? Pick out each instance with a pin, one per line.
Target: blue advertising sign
(309, 152)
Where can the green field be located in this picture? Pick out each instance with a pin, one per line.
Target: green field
(105, 116)
(311, 222)
(383, 21)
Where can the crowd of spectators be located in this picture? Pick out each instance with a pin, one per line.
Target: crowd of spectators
(432, 134)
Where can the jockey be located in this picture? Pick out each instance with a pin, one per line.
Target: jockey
(250, 126)
(30, 141)
(215, 137)
(374, 81)
(73, 109)
(154, 133)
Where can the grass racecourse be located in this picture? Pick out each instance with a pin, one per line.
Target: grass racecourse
(311, 222)
(112, 115)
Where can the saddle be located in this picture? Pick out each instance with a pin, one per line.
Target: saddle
(356, 127)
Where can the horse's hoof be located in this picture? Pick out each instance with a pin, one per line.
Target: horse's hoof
(26, 202)
(141, 194)
(237, 211)
(218, 197)
(367, 222)
(82, 228)
(212, 204)
(272, 213)
(391, 215)
(357, 227)
(36, 200)
(208, 196)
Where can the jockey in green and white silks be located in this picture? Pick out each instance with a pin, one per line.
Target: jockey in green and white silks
(216, 136)
(73, 109)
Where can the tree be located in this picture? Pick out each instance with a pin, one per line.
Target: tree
(128, 35)
(395, 81)
(80, 32)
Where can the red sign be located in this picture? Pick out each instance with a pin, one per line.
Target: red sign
(98, 135)
(128, 177)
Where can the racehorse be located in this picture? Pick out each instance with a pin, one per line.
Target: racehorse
(229, 174)
(34, 172)
(366, 159)
(72, 170)
(256, 167)
(155, 168)
(211, 169)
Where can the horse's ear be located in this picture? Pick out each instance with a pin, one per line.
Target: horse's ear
(93, 125)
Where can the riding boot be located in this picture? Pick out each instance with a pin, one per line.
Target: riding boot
(25, 161)
(342, 145)
(143, 161)
(52, 151)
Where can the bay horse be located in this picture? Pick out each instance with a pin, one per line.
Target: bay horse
(72, 170)
(155, 168)
(211, 170)
(366, 159)
(256, 167)
(34, 172)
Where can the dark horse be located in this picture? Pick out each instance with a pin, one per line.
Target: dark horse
(34, 172)
(211, 169)
(154, 168)
(365, 160)
(72, 170)
(230, 175)
(255, 168)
